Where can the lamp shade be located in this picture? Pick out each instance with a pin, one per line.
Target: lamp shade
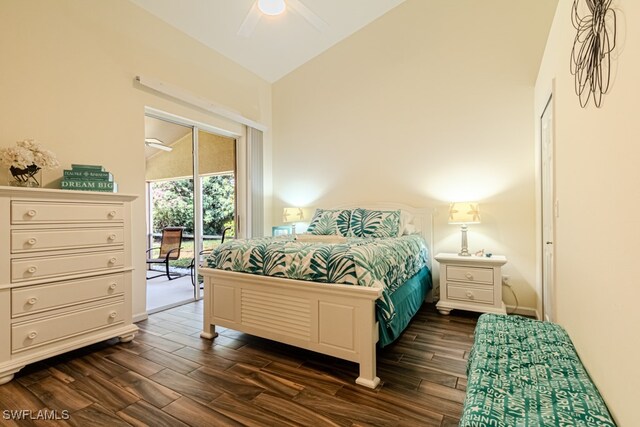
(464, 213)
(292, 215)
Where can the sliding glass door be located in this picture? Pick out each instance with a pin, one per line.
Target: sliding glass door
(216, 192)
(191, 184)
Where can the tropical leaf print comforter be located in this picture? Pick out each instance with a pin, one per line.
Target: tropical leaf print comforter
(384, 263)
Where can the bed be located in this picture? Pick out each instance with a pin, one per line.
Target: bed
(320, 294)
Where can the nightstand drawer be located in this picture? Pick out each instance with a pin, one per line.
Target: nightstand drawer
(470, 274)
(52, 212)
(36, 299)
(32, 334)
(39, 240)
(462, 293)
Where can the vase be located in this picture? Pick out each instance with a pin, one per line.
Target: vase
(31, 176)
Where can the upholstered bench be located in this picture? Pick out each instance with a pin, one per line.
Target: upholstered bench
(524, 372)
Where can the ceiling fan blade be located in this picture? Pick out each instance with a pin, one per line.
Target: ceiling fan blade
(250, 21)
(309, 15)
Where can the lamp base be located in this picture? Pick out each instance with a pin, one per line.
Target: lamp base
(464, 251)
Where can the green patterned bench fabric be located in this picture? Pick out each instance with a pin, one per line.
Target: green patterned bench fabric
(524, 372)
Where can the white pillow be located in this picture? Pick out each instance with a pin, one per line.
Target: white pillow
(405, 219)
(410, 229)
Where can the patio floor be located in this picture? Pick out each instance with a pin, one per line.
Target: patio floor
(163, 293)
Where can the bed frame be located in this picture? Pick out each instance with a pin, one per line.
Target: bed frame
(332, 319)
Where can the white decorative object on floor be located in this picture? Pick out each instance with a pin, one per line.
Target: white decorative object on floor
(471, 283)
(65, 273)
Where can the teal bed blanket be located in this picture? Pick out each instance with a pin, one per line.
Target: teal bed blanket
(397, 265)
(524, 372)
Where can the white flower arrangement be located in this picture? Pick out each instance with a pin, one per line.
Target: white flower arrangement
(26, 159)
(28, 153)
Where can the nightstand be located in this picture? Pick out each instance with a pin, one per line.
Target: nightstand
(470, 283)
(280, 230)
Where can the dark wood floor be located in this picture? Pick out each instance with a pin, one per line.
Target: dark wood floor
(169, 376)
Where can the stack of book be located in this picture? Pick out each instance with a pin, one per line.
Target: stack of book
(88, 178)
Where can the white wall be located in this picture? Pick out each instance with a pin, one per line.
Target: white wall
(67, 80)
(598, 230)
(429, 104)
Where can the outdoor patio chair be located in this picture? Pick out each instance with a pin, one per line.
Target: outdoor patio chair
(201, 256)
(169, 250)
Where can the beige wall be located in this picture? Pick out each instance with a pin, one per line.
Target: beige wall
(216, 154)
(427, 105)
(67, 80)
(598, 229)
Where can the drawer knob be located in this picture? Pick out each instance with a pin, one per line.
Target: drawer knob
(113, 315)
(32, 213)
(111, 237)
(468, 276)
(32, 269)
(112, 260)
(469, 294)
(32, 241)
(32, 301)
(113, 286)
(111, 214)
(32, 335)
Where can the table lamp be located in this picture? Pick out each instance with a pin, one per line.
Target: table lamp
(464, 213)
(292, 215)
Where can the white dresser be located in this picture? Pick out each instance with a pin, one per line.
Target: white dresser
(470, 283)
(65, 273)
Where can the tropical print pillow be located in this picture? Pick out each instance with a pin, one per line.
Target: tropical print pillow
(330, 222)
(369, 223)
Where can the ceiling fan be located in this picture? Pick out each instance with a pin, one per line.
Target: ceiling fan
(276, 7)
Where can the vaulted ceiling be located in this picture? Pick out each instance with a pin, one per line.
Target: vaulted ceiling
(278, 44)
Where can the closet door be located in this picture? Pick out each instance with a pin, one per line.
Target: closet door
(548, 213)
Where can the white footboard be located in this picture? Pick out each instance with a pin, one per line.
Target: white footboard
(337, 320)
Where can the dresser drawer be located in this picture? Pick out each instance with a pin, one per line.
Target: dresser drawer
(35, 299)
(27, 335)
(39, 240)
(470, 274)
(462, 293)
(56, 212)
(37, 268)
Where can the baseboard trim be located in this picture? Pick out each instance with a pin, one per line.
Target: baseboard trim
(140, 317)
(523, 311)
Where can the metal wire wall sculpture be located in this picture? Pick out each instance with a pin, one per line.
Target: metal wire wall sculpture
(590, 56)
